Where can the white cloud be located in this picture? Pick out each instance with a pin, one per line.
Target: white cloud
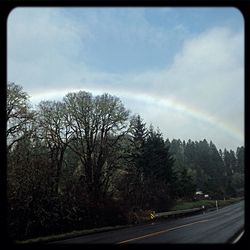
(206, 74)
(41, 48)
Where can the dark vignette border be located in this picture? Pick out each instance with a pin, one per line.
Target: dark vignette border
(6, 6)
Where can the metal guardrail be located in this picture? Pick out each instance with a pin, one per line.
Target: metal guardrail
(185, 211)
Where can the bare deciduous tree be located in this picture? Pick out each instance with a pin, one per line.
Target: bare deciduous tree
(55, 132)
(18, 116)
(98, 123)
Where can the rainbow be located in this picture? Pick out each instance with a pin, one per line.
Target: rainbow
(192, 111)
(168, 102)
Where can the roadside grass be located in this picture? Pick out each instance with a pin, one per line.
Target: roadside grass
(182, 205)
(68, 235)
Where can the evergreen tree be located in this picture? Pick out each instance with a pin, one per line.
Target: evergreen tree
(157, 169)
(240, 154)
(177, 149)
(138, 134)
(158, 160)
(185, 185)
(228, 166)
(215, 172)
(184, 176)
(233, 161)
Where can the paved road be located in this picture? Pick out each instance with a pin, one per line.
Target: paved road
(212, 227)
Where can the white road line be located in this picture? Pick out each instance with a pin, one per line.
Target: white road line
(236, 240)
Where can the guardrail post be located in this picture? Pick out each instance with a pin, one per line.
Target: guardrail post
(203, 209)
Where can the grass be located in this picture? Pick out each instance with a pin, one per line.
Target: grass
(181, 205)
(68, 235)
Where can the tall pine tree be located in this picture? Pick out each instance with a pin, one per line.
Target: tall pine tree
(158, 171)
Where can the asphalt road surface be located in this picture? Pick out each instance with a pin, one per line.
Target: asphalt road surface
(211, 227)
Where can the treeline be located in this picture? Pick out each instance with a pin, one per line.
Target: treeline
(86, 162)
(201, 166)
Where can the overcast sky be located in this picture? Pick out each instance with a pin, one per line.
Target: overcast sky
(181, 69)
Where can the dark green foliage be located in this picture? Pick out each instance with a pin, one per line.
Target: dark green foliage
(185, 184)
(138, 134)
(216, 173)
(81, 163)
(132, 183)
(157, 158)
(157, 172)
(240, 155)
